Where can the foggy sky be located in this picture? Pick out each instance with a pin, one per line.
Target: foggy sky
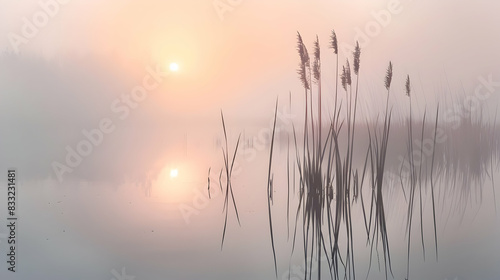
(65, 79)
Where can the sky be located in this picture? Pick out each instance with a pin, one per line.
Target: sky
(238, 59)
(246, 54)
(68, 69)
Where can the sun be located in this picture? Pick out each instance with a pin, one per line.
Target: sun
(174, 173)
(174, 67)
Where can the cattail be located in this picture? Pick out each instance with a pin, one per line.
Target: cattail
(357, 54)
(304, 61)
(317, 61)
(408, 87)
(388, 76)
(333, 42)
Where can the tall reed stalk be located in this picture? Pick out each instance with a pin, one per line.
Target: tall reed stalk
(228, 168)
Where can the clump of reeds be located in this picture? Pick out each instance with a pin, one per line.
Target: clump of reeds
(326, 175)
(329, 183)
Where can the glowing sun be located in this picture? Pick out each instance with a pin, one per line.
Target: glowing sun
(174, 173)
(174, 67)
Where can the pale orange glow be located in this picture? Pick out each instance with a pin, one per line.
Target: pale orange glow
(177, 183)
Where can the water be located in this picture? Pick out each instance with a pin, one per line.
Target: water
(164, 227)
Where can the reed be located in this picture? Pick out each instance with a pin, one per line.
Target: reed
(228, 168)
(416, 180)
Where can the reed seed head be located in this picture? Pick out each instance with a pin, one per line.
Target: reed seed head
(348, 72)
(388, 76)
(343, 78)
(333, 42)
(408, 86)
(304, 62)
(357, 54)
(317, 61)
